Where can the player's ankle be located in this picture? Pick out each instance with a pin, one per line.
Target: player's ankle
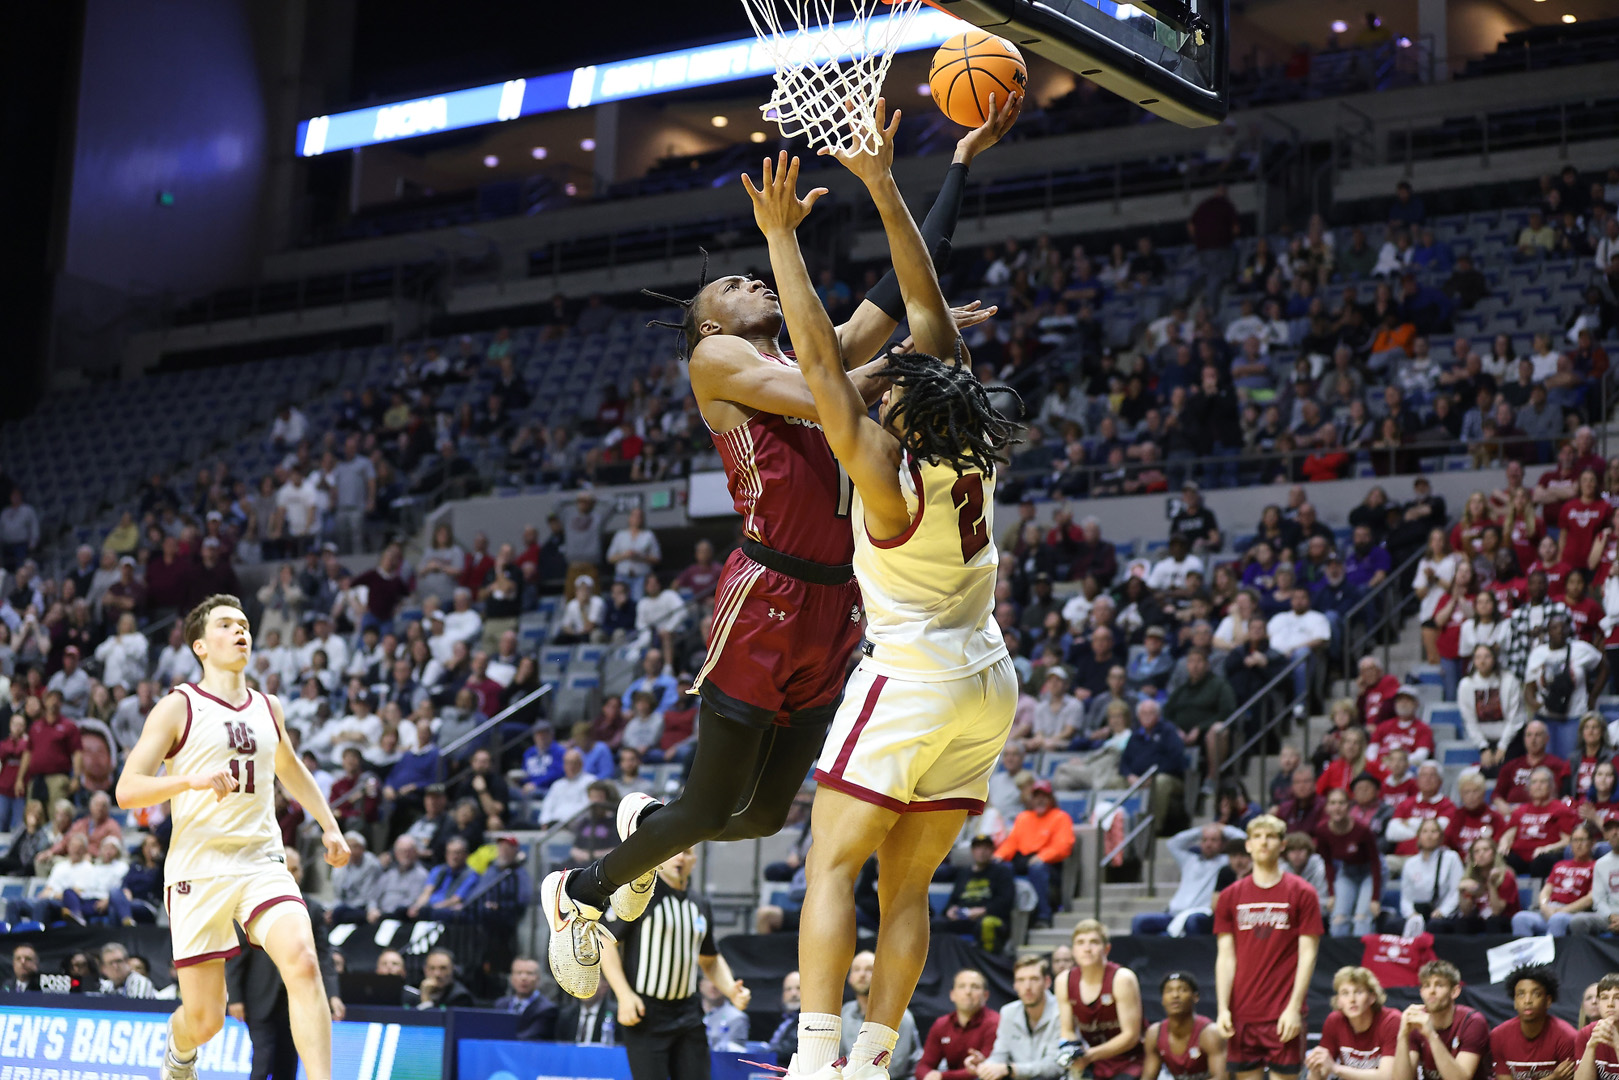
(590, 888)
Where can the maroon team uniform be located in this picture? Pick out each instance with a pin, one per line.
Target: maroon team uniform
(787, 609)
(1191, 1063)
(1469, 1032)
(1265, 925)
(1607, 1061)
(1360, 1049)
(1098, 1021)
(1532, 1059)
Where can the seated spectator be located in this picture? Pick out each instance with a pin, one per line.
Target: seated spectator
(630, 777)
(1056, 717)
(981, 901)
(1155, 744)
(1426, 803)
(1538, 830)
(1404, 729)
(1537, 238)
(1199, 707)
(1567, 891)
(1512, 782)
(656, 678)
(962, 1039)
(1200, 854)
(1430, 880)
(542, 762)
(1300, 859)
(567, 795)
(448, 886)
(355, 793)
(399, 885)
(583, 616)
(1304, 807)
(1603, 916)
(439, 988)
(72, 889)
(595, 834)
(487, 787)
(1028, 1038)
(536, 1014)
(1300, 634)
(618, 623)
(1153, 664)
(1353, 758)
(355, 885)
(1097, 766)
(1041, 838)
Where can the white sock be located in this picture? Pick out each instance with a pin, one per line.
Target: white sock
(820, 1036)
(174, 1051)
(874, 1045)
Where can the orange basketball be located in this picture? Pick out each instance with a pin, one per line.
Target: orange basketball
(970, 67)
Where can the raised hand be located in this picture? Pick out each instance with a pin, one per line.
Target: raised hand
(966, 315)
(871, 167)
(776, 205)
(990, 132)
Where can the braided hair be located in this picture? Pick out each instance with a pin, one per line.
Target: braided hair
(945, 415)
(688, 324)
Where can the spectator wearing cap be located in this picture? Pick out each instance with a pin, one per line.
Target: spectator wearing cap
(1040, 839)
(1153, 665)
(1156, 744)
(542, 762)
(583, 616)
(1334, 595)
(125, 594)
(1056, 717)
(1196, 521)
(72, 682)
(981, 900)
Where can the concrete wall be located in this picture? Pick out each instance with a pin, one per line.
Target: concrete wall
(1133, 517)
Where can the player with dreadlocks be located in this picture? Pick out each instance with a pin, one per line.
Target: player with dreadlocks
(925, 715)
(786, 610)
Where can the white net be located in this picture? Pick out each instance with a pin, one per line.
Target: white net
(829, 69)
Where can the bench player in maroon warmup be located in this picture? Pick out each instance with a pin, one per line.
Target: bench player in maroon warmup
(1598, 1041)
(787, 609)
(1439, 1039)
(1185, 1044)
(1268, 925)
(1100, 1002)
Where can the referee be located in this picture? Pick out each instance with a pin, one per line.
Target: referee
(653, 971)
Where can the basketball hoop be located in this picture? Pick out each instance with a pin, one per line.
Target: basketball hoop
(829, 73)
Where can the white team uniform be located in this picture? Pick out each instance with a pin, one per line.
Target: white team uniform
(926, 714)
(225, 862)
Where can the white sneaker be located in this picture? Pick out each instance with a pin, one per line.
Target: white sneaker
(630, 901)
(576, 936)
(833, 1071)
(868, 1071)
(172, 1068)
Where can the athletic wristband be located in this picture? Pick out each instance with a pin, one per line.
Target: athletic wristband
(937, 229)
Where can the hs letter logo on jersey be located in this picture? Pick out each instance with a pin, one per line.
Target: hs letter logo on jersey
(240, 737)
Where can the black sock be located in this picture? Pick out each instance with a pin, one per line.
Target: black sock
(590, 886)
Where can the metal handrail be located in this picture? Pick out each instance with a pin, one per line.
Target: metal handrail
(1152, 771)
(1389, 612)
(504, 714)
(1152, 861)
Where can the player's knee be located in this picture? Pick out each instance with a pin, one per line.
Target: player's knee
(204, 1019)
(301, 966)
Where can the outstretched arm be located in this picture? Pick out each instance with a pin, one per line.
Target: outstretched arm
(868, 453)
(727, 368)
(880, 312)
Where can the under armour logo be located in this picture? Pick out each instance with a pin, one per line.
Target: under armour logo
(854, 613)
(779, 616)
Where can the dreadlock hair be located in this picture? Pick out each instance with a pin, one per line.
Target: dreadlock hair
(688, 324)
(945, 413)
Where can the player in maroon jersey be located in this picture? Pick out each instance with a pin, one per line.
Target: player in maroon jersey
(1184, 1044)
(787, 610)
(1534, 1045)
(1358, 1036)
(1268, 926)
(1439, 1039)
(1100, 1002)
(1598, 1042)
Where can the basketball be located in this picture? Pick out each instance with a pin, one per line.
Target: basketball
(970, 67)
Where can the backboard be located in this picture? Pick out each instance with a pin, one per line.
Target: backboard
(1168, 56)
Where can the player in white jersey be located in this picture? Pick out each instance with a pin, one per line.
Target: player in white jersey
(225, 747)
(927, 712)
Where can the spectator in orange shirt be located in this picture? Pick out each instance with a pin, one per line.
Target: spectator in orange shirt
(1392, 342)
(1041, 838)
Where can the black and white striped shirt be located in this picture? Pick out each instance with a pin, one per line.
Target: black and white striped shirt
(660, 949)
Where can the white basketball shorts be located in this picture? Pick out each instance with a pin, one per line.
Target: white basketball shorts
(911, 746)
(203, 913)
